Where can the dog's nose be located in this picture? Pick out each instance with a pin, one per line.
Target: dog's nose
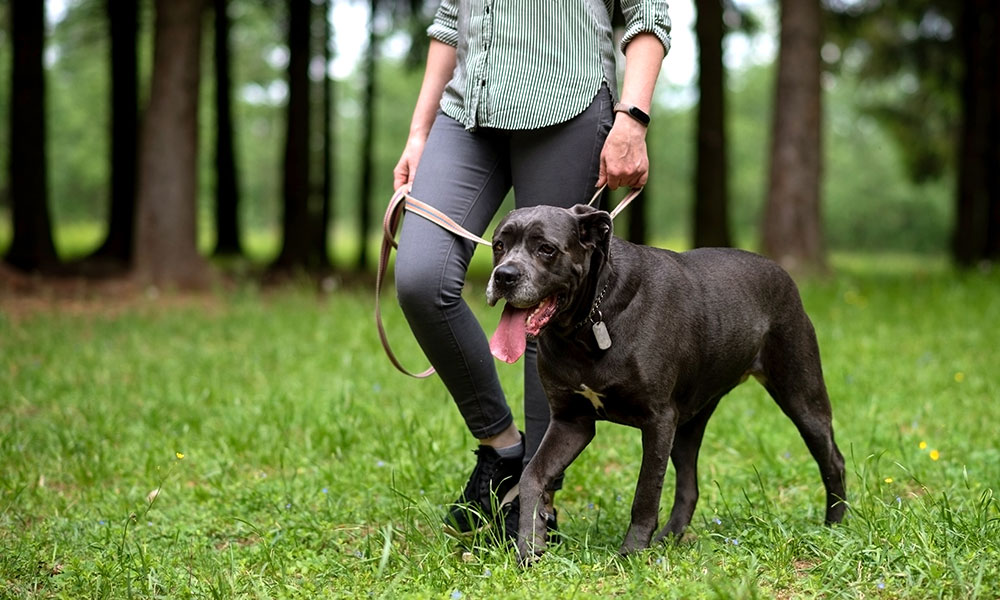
(506, 276)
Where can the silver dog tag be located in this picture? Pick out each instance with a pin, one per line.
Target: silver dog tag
(601, 335)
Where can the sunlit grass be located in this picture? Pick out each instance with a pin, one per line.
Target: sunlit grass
(312, 469)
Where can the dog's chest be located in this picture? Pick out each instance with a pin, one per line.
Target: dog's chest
(596, 398)
(599, 400)
(604, 404)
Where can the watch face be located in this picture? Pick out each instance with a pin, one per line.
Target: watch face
(639, 114)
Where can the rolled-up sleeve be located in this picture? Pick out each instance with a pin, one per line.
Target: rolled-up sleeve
(646, 16)
(444, 28)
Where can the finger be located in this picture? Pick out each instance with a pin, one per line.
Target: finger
(602, 173)
(614, 181)
(402, 173)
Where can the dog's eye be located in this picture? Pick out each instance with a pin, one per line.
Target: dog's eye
(498, 246)
(546, 249)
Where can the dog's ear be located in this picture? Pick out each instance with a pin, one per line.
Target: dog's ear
(594, 225)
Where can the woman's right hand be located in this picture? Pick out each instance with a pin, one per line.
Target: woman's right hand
(406, 168)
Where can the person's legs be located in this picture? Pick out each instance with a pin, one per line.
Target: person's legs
(556, 165)
(466, 176)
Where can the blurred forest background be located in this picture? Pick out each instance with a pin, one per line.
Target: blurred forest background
(151, 136)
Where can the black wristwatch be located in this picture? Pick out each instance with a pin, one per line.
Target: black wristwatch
(633, 111)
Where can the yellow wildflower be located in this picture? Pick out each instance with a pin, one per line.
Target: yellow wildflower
(935, 455)
(888, 479)
(180, 455)
(923, 445)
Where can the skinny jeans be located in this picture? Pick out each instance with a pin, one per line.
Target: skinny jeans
(466, 175)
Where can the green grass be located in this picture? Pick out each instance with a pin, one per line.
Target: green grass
(312, 469)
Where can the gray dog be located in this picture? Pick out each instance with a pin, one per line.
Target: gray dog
(652, 339)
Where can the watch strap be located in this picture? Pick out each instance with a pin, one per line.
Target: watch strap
(633, 111)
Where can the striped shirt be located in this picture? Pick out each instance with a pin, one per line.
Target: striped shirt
(524, 64)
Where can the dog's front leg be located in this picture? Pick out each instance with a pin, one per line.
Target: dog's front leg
(657, 438)
(563, 442)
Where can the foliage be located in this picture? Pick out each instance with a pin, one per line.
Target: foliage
(311, 469)
(868, 201)
(908, 54)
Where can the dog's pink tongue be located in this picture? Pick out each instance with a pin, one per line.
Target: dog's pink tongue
(509, 340)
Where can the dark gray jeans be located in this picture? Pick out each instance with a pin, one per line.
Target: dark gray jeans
(466, 175)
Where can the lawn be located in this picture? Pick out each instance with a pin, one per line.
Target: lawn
(256, 443)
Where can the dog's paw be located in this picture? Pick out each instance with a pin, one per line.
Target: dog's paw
(527, 561)
(528, 556)
(633, 544)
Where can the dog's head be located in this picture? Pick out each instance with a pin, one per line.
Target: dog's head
(542, 257)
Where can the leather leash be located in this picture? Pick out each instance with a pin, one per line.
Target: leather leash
(401, 202)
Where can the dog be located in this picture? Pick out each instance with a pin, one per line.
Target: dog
(652, 339)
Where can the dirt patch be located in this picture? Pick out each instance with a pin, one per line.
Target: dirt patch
(25, 295)
(104, 299)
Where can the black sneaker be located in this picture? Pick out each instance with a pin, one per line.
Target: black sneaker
(488, 495)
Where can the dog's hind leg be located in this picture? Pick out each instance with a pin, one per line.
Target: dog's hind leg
(684, 454)
(793, 376)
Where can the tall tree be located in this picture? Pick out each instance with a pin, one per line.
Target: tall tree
(31, 247)
(636, 227)
(792, 231)
(328, 149)
(368, 137)
(298, 245)
(123, 23)
(711, 198)
(227, 223)
(977, 223)
(166, 241)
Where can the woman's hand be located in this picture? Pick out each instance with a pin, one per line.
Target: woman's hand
(624, 161)
(406, 168)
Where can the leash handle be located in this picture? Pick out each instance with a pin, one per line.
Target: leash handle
(632, 195)
(401, 202)
(390, 224)
(442, 220)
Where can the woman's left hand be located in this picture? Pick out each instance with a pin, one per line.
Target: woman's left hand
(624, 161)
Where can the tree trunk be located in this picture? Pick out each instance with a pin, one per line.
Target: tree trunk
(227, 218)
(297, 245)
(636, 227)
(123, 21)
(367, 140)
(166, 244)
(31, 248)
(977, 224)
(711, 221)
(328, 112)
(792, 228)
